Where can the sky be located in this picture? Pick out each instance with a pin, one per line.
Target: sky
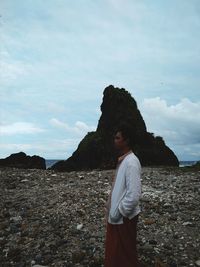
(57, 57)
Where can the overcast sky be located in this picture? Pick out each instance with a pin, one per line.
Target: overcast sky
(58, 56)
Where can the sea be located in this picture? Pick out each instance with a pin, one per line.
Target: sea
(187, 163)
(50, 162)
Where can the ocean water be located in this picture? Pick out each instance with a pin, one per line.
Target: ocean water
(187, 163)
(50, 162)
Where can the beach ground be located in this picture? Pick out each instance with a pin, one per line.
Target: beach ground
(58, 219)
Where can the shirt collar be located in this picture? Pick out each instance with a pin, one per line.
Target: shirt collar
(123, 156)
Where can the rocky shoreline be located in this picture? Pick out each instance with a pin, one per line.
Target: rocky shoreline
(58, 219)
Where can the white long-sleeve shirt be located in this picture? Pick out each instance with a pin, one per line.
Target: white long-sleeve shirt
(126, 191)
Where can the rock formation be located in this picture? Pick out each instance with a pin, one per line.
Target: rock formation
(21, 160)
(96, 149)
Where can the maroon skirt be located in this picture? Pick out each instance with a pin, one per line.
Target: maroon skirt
(120, 244)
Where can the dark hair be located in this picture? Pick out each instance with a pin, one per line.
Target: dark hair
(127, 132)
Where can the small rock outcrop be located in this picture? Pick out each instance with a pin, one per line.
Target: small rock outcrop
(23, 161)
(96, 149)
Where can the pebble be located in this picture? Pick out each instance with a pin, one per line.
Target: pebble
(197, 263)
(187, 223)
(79, 226)
(58, 219)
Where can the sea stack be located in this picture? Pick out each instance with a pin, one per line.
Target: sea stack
(96, 150)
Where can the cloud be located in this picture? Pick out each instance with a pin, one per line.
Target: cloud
(54, 107)
(119, 5)
(178, 124)
(19, 128)
(12, 69)
(80, 128)
(83, 127)
(51, 148)
(48, 57)
(187, 152)
(12, 147)
(59, 124)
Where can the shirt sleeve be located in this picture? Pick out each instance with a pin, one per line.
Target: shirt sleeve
(133, 189)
